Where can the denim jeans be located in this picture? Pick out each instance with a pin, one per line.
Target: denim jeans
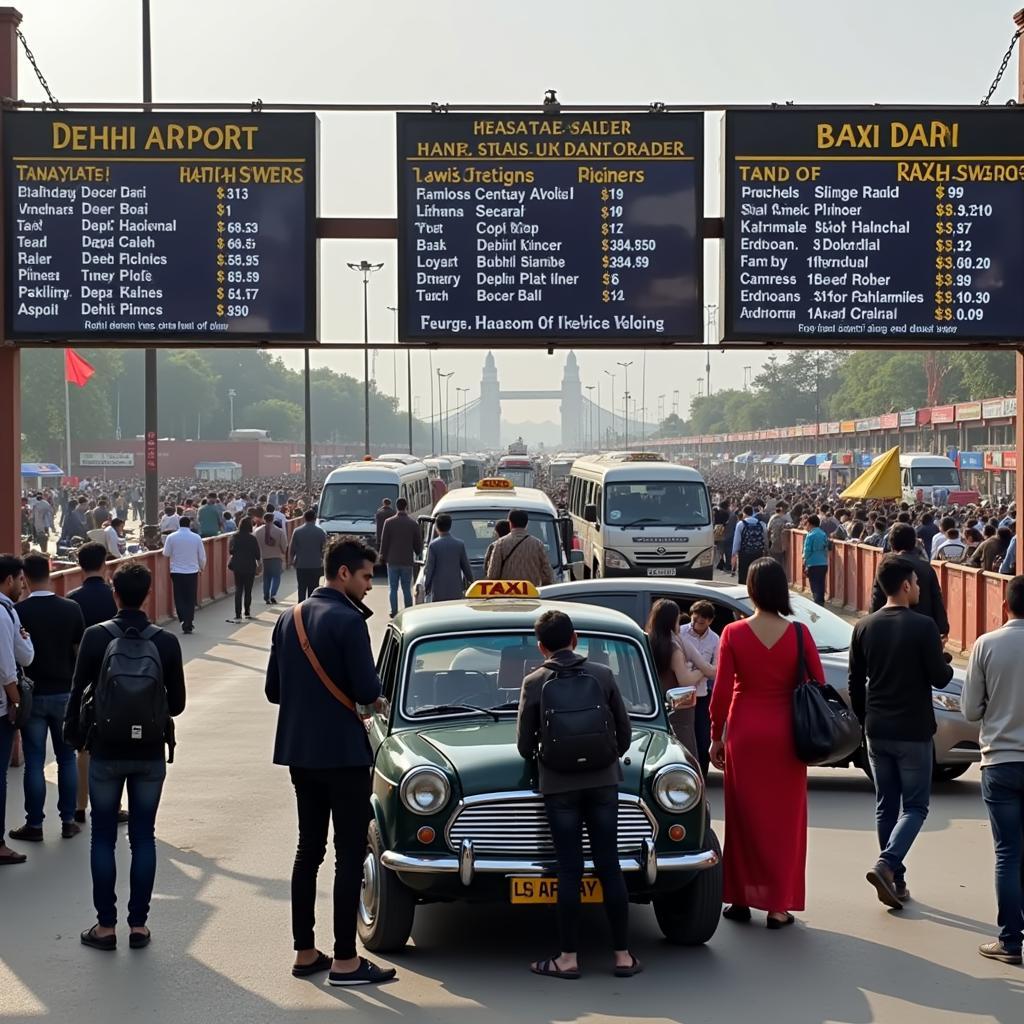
(48, 718)
(399, 574)
(1002, 786)
(816, 576)
(107, 779)
(567, 813)
(272, 569)
(903, 776)
(6, 745)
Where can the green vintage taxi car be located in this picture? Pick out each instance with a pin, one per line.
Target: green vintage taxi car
(456, 814)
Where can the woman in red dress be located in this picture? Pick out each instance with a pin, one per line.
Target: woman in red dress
(765, 784)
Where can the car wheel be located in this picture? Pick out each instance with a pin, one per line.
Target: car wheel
(690, 916)
(948, 772)
(386, 907)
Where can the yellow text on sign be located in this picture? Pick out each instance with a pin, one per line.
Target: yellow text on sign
(545, 890)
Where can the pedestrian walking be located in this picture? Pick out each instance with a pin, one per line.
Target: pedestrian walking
(723, 541)
(675, 667)
(778, 526)
(381, 516)
(306, 553)
(520, 555)
(698, 632)
(573, 797)
(401, 548)
(321, 666)
(16, 651)
(42, 521)
(816, 544)
(765, 857)
(130, 649)
(187, 555)
(244, 563)
(895, 661)
(903, 541)
(994, 695)
(55, 626)
(273, 550)
(749, 543)
(448, 573)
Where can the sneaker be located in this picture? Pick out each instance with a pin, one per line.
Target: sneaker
(273, 600)
(365, 974)
(881, 877)
(997, 951)
(27, 834)
(69, 830)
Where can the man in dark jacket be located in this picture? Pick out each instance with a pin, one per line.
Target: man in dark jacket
(574, 798)
(903, 540)
(448, 572)
(323, 741)
(401, 546)
(899, 652)
(306, 553)
(381, 516)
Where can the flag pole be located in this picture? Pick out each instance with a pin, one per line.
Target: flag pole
(67, 417)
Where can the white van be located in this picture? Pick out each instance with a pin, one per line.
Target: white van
(353, 493)
(475, 510)
(932, 479)
(637, 515)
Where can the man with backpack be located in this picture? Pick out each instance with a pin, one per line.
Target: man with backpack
(131, 677)
(749, 543)
(573, 721)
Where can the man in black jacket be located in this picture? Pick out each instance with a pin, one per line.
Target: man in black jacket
(140, 765)
(895, 660)
(401, 547)
(903, 541)
(322, 739)
(572, 798)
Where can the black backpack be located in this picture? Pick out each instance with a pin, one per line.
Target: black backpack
(577, 730)
(752, 539)
(128, 702)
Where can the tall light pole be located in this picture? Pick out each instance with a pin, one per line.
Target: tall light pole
(661, 408)
(440, 415)
(746, 378)
(612, 375)
(625, 429)
(232, 395)
(675, 402)
(447, 407)
(366, 269)
(700, 387)
(408, 374)
(460, 393)
(711, 314)
(590, 415)
(597, 447)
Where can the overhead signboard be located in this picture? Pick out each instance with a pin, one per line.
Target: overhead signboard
(106, 459)
(536, 227)
(160, 227)
(874, 225)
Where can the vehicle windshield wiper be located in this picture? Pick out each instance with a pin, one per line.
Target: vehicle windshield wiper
(512, 705)
(449, 709)
(638, 522)
(832, 650)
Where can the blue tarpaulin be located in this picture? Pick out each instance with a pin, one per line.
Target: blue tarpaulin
(41, 469)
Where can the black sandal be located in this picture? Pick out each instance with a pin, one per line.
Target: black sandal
(550, 969)
(737, 913)
(627, 972)
(321, 963)
(108, 943)
(774, 923)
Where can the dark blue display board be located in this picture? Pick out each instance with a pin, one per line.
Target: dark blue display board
(535, 227)
(160, 227)
(874, 225)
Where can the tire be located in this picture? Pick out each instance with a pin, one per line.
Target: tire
(948, 772)
(690, 916)
(386, 907)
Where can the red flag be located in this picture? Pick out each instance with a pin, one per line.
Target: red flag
(76, 369)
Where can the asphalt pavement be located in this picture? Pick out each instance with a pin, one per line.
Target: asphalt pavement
(221, 947)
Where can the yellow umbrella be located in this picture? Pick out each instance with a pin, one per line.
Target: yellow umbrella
(881, 480)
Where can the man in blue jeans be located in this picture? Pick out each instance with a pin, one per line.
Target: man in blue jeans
(139, 764)
(400, 548)
(900, 652)
(55, 625)
(994, 696)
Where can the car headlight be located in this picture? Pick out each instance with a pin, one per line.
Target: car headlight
(424, 790)
(613, 560)
(677, 788)
(704, 559)
(946, 701)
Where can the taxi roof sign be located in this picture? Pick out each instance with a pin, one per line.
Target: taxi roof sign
(502, 588)
(495, 483)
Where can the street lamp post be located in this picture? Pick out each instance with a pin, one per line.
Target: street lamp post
(746, 378)
(232, 395)
(625, 428)
(440, 415)
(447, 407)
(461, 393)
(366, 268)
(408, 375)
(590, 416)
(612, 375)
(700, 387)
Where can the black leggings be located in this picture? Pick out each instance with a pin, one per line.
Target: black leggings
(243, 592)
(567, 812)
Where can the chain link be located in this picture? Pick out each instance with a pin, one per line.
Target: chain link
(1002, 68)
(35, 67)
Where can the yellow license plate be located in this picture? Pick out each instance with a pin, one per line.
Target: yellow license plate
(545, 890)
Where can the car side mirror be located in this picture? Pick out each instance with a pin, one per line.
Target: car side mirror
(590, 513)
(679, 698)
(575, 557)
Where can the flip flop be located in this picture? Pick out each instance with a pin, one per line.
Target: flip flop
(627, 972)
(550, 969)
(321, 963)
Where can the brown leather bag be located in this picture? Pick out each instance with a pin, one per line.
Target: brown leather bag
(314, 661)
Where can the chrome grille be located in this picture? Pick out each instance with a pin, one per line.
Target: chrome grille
(659, 558)
(520, 826)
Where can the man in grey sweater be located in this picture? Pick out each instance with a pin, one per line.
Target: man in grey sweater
(306, 553)
(994, 696)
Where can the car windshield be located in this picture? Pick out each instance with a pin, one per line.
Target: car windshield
(519, 477)
(487, 671)
(830, 632)
(657, 503)
(354, 500)
(934, 476)
(477, 532)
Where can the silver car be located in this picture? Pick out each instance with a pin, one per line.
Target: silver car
(956, 740)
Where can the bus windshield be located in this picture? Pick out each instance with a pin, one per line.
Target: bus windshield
(520, 477)
(657, 503)
(476, 531)
(355, 500)
(934, 476)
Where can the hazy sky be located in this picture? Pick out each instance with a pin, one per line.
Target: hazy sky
(474, 51)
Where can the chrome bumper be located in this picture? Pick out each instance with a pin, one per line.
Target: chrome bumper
(467, 865)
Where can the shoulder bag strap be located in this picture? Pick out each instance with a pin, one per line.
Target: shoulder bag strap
(801, 664)
(506, 555)
(314, 661)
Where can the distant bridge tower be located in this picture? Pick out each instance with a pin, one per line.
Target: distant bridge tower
(490, 405)
(572, 405)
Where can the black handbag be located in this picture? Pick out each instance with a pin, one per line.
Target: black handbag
(825, 730)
